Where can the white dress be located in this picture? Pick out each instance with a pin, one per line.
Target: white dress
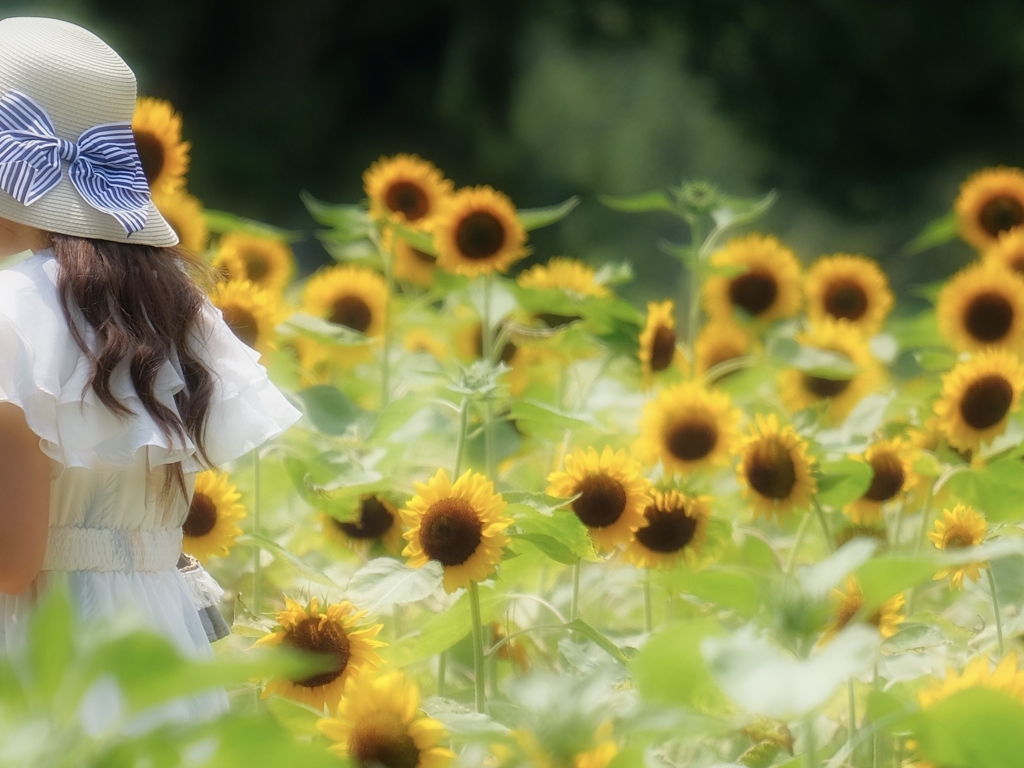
(113, 537)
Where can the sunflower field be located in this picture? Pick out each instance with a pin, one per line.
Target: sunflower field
(773, 521)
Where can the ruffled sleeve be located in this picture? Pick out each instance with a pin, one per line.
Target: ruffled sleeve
(44, 372)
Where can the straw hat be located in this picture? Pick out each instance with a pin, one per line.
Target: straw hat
(80, 82)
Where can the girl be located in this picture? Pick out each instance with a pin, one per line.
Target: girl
(119, 381)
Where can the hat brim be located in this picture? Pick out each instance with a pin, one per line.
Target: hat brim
(64, 211)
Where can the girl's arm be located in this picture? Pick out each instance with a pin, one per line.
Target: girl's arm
(24, 501)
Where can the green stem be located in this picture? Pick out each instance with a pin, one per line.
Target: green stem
(442, 669)
(460, 440)
(995, 609)
(574, 605)
(824, 526)
(876, 740)
(791, 561)
(478, 648)
(487, 344)
(921, 537)
(648, 619)
(852, 732)
(385, 359)
(256, 531)
(810, 750)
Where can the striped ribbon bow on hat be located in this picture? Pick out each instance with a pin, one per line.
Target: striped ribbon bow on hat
(103, 164)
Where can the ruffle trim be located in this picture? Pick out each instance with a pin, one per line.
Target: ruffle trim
(44, 372)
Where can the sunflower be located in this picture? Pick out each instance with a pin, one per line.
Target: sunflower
(959, 529)
(848, 604)
(991, 202)
(977, 398)
(768, 287)
(983, 306)
(424, 340)
(378, 521)
(674, 531)
(775, 470)
(688, 427)
(331, 631)
(184, 213)
(658, 350)
(469, 341)
(405, 188)
(892, 473)
(250, 312)
(800, 390)
(164, 156)
(355, 297)
(458, 524)
(478, 232)
(266, 261)
(564, 274)
(977, 674)
(377, 726)
(1008, 251)
(719, 341)
(210, 530)
(848, 287)
(611, 493)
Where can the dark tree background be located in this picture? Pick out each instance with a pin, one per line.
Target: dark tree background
(864, 114)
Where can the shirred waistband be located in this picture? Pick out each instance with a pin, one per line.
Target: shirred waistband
(111, 549)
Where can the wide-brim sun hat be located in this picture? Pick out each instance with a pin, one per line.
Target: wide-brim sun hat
(80, 82)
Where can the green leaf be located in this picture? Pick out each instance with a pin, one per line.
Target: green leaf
(766, 680)
(921, 330)
(444, 629)
(461, 720)
(995, 489)
(580, 627)
(973, 727)
(935, 233)
(883, 577)
(222, 222)
(562, 537)
(298, 718)
(540, 502)
(327, 407)
(347, 217)
(535, 218)
(397, 414)
(614, 273)
(253, 740)
(821, 578)
(537, 418)
(842, 481)
(670, 669)
(737, 210)
(384, 582)
(728, 587)
(816, 362)
(323, 331)
(417, 238)
(656, 200)
(50, 647)
(293, 560)
(913, 638)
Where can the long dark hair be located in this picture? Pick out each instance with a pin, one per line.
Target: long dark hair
(142, 306)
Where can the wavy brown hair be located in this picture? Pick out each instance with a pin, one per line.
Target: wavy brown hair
(143, 307)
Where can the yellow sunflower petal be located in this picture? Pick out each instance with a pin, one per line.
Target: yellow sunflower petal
(477, 232)
(848, 287)
(983, 306)
(687, 427)
(990, 203)
(157, 131)
(768, 287)
(210, 529)
(978, 396)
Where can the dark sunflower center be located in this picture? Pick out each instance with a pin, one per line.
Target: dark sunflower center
(408, 199)
(887, 479)
(374, 520)
(256, 266)
(848, 609)
(846, 299)
(1017, 264)
(151, 155)
(692, 439)
(328, 639)
(382, 741)
(989, 316)
(769, 468)
(243, 323)
(959, 539)
(479, 236)
(822, 387)
(753, 292)
(1000, 214)
(601, 502)
(552, 320)
(352, 312)
(451, 531)
(202, 516)
(667, 530)
(986, 401)
(663, 348)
